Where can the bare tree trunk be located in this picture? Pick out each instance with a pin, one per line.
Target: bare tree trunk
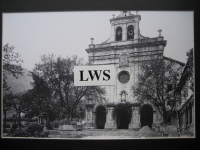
(178, 127)
(72, 115)
(19, 123)
(47, 123)
(165, 118)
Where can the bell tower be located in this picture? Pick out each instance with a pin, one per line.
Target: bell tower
(124, 27)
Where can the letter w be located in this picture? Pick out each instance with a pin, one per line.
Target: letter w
(95, 74)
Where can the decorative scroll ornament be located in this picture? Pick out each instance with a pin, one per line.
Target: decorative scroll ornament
(123, 60)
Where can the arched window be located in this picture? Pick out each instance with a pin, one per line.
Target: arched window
(130, 32)
(118, 34)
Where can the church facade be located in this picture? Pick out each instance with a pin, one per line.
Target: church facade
(125, 49)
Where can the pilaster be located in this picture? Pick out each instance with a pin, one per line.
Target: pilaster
(124, 32)
(136, 30)
(135, 120)
(110, 122)
(89, 116)
(112, 33)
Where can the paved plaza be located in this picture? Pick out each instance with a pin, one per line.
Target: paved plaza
(104, 134)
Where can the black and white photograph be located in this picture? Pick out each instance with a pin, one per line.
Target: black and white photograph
(126, 74)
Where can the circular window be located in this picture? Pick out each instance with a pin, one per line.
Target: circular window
(123, 77)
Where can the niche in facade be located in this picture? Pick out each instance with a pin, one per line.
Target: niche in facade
(130, 32)
(118, 34)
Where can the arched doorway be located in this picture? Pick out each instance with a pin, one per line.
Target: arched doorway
(123, 114)
(122, 119)
(146, 116)
(100, 117)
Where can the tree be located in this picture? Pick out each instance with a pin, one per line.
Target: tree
(190, 70)
(11, 66)
(59, 76)
(157, 81)
(21, 103)
(7, 104)
(41, 99)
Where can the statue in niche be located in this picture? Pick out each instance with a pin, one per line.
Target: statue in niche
(123, 60)
(123, 96)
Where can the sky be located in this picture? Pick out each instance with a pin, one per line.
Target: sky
(69, 33)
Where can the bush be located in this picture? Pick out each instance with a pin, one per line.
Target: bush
(41, 134)
(14, 116)
(8, 126)
(22, 133)
(64, 122)
(55, 124)
(14, 127)
(73, 122)
(44, 134)
(34, 127)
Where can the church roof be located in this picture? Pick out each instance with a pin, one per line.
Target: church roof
(170, 59)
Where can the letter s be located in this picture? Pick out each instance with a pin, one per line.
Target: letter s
(106, 74)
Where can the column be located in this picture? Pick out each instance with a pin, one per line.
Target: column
(112, 32)
(191, 128)
(94, 119)
(157, 117)
(184, 121)
(124, 32)
(89, 116)
(181, 120)
(110, 122)
(135, 120)
(39, 119)
(193, 114)
(136, 30)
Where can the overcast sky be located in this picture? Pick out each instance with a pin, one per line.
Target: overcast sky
(69, 33)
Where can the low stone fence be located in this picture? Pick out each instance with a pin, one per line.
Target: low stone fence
(70, 127)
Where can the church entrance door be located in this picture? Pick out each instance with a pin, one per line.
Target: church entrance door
(146, 116)
(100, 117)
(122, 119)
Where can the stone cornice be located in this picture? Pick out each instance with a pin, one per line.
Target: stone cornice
(132, 104)
(132, 54)
(119, 47)
(89, 105)
(133, 17)
(96, 58)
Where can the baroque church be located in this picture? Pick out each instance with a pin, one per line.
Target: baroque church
(124, 49)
